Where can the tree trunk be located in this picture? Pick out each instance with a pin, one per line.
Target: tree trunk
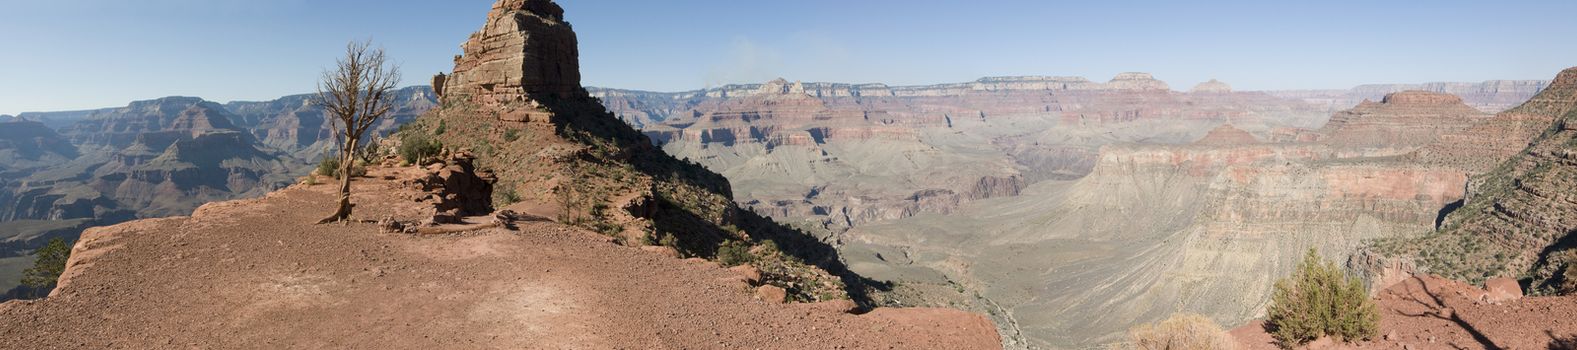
(347, 160)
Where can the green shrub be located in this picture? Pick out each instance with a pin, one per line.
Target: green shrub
(442, 127)
(1320, 300)
(416, 149)
(511, 135)
(1181, 332)
(504, 195)
(734, 253)
(330, 166)
(49, 263)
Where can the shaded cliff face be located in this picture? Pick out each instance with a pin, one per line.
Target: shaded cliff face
(840, 155)
(1519, 219)
(25, 145)
(152, 158)
(297, 126)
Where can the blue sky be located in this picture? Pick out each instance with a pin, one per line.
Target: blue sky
(75, 54)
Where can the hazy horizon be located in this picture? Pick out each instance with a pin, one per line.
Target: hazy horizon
(98, 53)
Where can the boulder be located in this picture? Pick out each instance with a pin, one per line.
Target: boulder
(1502, 290)
(750, 273)
(772, 294)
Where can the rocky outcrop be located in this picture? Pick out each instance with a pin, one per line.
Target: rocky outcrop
(514, 97)
(526, 47)
(455, 187)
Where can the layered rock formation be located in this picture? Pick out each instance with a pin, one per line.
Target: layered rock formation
(1491, 96)
(1400, 123)
(297, 126)
(1519, 218)
(562, 155)
(151, 158)
(839, 155)
(1226, 134)
(1156, 229)
(525, 47)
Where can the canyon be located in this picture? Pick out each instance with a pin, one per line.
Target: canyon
(1025, 212)
(1070, 210)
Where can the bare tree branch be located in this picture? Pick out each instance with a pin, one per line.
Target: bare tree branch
(357, 95)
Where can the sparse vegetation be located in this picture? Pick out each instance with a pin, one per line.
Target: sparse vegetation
(330, 166)
(49, 263)
(734, 253)
(504, 194)
(357, 93)
(416, 149)
(1320, 300)
(511, 135)
(1181, 332)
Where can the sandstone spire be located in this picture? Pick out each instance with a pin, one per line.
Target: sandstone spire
(526, 47)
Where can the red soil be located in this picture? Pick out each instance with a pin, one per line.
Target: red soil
(1434, 313)
(257, 274)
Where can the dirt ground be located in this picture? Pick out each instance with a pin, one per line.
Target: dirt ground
(258, 274)
(1433, 313)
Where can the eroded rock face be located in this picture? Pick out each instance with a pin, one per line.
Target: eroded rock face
(525, 47)
(848, 147)
(1519, 217)
(151, 158)
(454, 186)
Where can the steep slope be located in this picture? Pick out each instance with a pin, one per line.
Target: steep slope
(1519, 219)
(27, 145)
(257, 274)
(514, 99)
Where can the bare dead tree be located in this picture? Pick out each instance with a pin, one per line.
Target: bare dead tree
(357, 93)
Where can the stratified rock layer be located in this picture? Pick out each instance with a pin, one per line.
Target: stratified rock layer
(1520, 218)
(525, 47)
